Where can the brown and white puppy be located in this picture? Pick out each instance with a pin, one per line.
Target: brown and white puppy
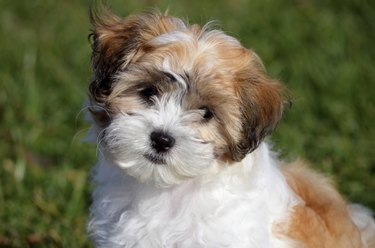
(179, 113)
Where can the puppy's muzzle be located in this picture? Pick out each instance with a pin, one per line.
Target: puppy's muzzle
(161, 142)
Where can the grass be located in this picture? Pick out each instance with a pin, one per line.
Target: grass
(322, 50)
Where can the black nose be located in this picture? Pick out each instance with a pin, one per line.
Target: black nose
(161, 141)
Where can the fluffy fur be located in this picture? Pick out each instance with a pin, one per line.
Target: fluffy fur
(179, 113)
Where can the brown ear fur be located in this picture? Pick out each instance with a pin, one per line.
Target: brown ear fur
(116, 41)
(262, 103)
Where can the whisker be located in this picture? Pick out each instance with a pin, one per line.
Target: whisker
(99, 140)
(79, 132)
(80, 112)
(95, 107)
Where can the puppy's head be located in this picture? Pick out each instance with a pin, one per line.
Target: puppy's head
(172, 100)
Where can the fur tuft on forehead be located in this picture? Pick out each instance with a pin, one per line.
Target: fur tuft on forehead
(217, 72)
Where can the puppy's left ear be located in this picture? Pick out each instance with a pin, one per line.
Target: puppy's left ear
(262, 102)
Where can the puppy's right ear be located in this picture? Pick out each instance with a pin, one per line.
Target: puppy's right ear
(116, 40)
(114, 43)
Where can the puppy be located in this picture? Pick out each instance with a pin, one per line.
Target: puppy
(179, 113)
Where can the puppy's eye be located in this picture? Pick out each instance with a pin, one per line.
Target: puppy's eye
(207, 114)
(148, 92)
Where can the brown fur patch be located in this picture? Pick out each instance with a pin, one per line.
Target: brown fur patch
(261, 102)
(323, 221)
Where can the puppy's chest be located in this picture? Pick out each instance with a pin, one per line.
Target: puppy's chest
(216, 218)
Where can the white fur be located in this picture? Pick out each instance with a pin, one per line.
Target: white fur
(172, 37)
(235, 206)
(127, 141)
(363, 219)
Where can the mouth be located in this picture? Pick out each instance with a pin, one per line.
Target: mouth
(155, 159)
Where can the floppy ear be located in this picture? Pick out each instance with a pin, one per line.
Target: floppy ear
(115, 41)
(261, 103)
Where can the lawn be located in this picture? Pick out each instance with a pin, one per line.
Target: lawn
(322, 50)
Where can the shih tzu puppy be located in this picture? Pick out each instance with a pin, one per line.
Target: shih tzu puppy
(179, 113)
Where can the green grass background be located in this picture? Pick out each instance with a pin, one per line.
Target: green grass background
(322, 50)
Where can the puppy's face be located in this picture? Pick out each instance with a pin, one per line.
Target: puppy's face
(173, 100)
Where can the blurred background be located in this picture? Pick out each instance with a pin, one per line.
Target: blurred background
(322, 50)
